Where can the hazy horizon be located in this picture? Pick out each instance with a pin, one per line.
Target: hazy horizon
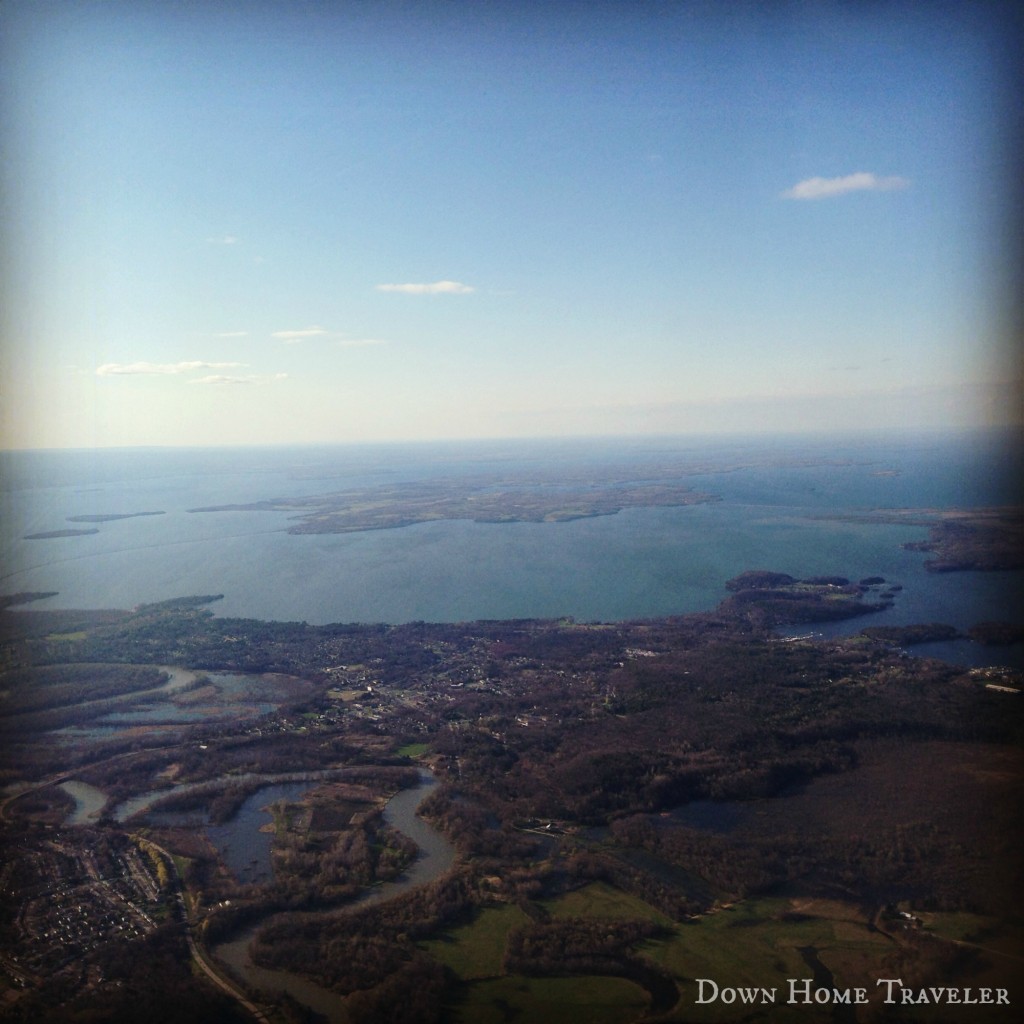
(1011, 432)
(466, 530)
(286, 223)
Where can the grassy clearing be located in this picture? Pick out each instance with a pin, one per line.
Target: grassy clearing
(733, 947)
(757, 943)
(476, 950)
(413, 750)
(604, 901)
(283, 816)
(549, 1001)
(961, 927)
(346, 695)
(475, 953)
(181, 864)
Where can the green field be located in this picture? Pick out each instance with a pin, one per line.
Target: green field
(588, 1000)
(475, 951)
(599, 900)
(756, 943)
(413, 750)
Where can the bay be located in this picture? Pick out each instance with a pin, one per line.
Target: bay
(778, 508)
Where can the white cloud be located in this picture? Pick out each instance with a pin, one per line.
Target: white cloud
(232, 334)
(223, 240)
(125, 369)
(861, 181)
(339, 337)
(437, 288)
(219, 378)
(293, 337)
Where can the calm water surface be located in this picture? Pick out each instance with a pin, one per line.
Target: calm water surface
(89, 801)
(242, 843)
(778, 500)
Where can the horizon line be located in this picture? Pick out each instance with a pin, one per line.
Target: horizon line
(773, 432)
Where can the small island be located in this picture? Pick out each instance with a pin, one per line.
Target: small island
(51, 534)
(109, 517)
(779, 599)
(103, 517)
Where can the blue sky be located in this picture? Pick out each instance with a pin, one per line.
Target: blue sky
(245, 223)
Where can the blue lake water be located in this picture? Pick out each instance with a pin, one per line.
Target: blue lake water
(774, 497)
(242, 844)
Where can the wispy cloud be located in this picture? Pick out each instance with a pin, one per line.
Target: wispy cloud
(220, 378)
(861, 181)
(437, 288)
(223, 240)
(359, 342)
(340, 338)
(231, 334)
(128, 369)
(292, 337)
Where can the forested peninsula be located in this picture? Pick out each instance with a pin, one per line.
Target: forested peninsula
(391, 507)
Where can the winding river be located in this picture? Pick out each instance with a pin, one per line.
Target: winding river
(436, 856)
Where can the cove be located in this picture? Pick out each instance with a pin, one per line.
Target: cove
(89, 801)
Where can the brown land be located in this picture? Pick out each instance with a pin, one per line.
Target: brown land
(987, 539)
(633, 804)
(389, 508)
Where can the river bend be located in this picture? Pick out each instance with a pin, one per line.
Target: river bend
(436, 856)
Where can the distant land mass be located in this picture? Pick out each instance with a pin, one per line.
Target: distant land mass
(391, 507)
(980, 539)
(106, 517)
(51, 534)
(111, 516)
(25, 597)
